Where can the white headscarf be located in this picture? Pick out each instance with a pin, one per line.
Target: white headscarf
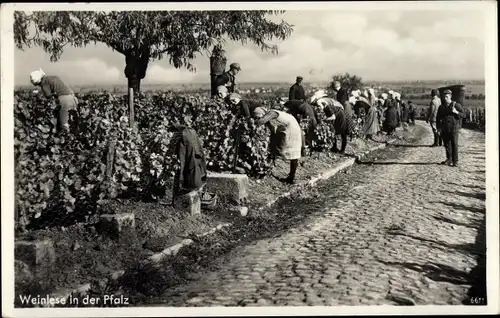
(397, 96)
(259, 112)
(319, 94)
(371, 91)
(36, 76)
(234, 98)
(352, 100)
(222, 91)
(384, 96)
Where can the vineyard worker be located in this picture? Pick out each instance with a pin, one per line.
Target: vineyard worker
(405, 111)
(244, 108)
(397, 97)
(391, 114)
(349, 115)
(432, 117)
(297, 90)
(300, 108)
(335, 113)
(342, 95)
(372, 98)
(192, 172)
(222, 92)
(449, 119)
(370, 126)
(228, 79)
(54, 86)
(412, 113)
(286, 137)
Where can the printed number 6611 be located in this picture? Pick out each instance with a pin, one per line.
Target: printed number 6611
(477, 300)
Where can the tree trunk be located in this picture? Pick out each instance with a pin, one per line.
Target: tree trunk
(217, 67)
(136, 64)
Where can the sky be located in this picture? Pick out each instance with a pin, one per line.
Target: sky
(376, 45)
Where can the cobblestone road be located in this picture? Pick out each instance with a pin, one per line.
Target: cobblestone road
(404, 234)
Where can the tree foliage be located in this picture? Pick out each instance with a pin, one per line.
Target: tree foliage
(144, 36)
(348, 81)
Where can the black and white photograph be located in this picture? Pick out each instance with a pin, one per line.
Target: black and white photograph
(272, 158)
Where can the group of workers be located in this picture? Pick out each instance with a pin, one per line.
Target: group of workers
(288, 139)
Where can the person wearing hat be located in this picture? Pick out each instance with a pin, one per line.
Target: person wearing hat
(449, 118)
(191, 174)
(228, 79)
(391, 114)
(342, 95)
(53, 86)
(302, 111)
(297, 90)
(286, 137)
(432, 117)
(243, 107)
(334, 112)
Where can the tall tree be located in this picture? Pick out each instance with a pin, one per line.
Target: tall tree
(350, 82)
(144, 36)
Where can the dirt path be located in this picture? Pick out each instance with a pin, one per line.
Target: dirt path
(405, 233)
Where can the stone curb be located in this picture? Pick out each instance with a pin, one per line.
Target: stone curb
(346, 163)
(174, 249)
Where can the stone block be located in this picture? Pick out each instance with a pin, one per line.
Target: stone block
(232, 188)
(189, 202)
(114, 224)
(35, 252)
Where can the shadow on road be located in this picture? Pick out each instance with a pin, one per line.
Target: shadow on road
(396, 163)
(473, 225)
(477, 195)
(461, 248)
(467, 186)
(409, 146)
(456, 206)
(436, 272)
(477, 294)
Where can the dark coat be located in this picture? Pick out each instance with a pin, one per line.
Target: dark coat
(391, 115)
(405, 112)
(296, 108)
(228, 80)
(349, 116)
(247, 107)
(297, 92)
(340, 124)
(192, 172)
(342, 95)
(447, 121)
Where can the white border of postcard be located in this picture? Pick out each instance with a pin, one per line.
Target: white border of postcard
(491, 76)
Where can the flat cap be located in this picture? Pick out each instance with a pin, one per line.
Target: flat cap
(235, 66)
(447, 91)
(300, 78)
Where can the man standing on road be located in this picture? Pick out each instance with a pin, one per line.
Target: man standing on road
(432, 116)
(297, 90)
(449, 118)
(228, 78)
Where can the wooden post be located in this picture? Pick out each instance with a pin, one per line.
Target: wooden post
(110, 158)
(131, 106)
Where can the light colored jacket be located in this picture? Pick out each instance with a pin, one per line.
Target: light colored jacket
(433, 109)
